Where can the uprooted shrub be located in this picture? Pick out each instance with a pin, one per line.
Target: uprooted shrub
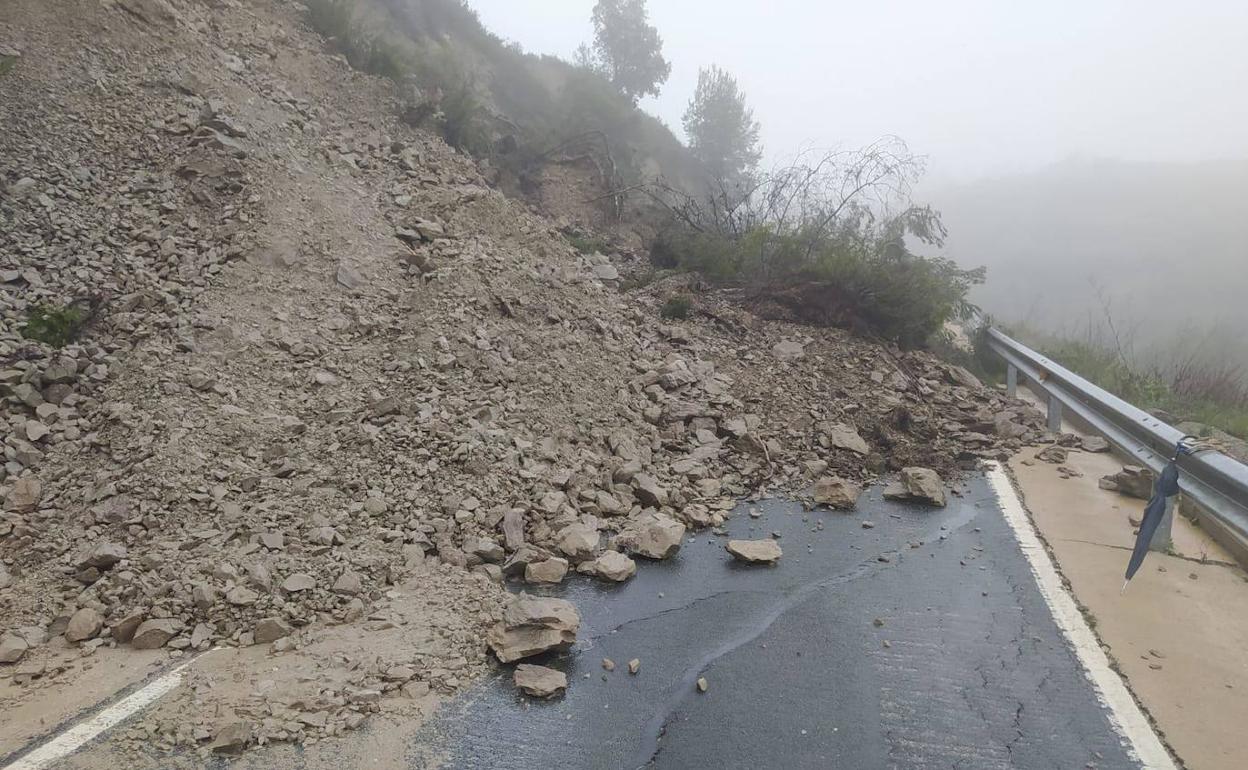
(814, 243)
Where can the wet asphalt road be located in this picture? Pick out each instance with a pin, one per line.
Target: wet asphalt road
(966, 670)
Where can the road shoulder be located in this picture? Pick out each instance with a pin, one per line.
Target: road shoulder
(1179, 635)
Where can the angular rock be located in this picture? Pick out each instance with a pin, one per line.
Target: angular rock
(549, 571)
(611, 565)
(960, 376)
(62, 369)
(578, 541)
(233, 738)
(123, 630)
(241, 596)
(533, 625)
(85, 624)
(539, 681)
(486, 550)
(520, 560)
(653, 536)
(297, 582)
(348, 584)
(152, 634)
(35, 430)
(755, 551)
(203, 596)
(843, 436)
(348, 276)
(103, 555)
(917, 485)
(270, 630)
(1132, 481)
(836, 492)
(648, 491)
(1052, 454)
(606, 272)
(513, 528)
(12, 648)
(25, 495)
(1094, 444)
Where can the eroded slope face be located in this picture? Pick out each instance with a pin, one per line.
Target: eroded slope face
(332, 380)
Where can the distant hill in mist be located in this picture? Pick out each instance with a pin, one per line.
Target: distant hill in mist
(1165, 244)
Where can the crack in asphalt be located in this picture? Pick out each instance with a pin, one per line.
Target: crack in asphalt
(679, 608)
(656, 726)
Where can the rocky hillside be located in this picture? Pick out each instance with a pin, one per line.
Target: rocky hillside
(322, 358)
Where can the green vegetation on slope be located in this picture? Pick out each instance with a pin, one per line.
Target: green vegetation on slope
(54, 325)
(802, 252)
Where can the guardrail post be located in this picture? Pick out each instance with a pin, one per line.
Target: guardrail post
(1011, 380)
(1162, 540)
(1055, 415)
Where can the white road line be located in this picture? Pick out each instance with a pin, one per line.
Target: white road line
(75, 736)
(1124, 712)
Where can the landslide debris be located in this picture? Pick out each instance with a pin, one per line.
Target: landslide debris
(315, 356)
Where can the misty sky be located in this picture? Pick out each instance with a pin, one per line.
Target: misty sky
(981, 87)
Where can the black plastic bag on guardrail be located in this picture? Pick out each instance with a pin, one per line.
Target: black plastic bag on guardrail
(1167, 486)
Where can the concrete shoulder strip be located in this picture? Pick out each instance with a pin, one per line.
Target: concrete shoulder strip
(1124, 712)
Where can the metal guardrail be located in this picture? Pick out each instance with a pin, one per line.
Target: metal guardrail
(1215, 485)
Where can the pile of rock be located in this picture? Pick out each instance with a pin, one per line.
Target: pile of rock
(532, 626)
(256, 435)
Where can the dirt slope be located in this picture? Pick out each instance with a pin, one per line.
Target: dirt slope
(333, 380)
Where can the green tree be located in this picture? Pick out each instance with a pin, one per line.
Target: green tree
(628, 49)
(722, 132)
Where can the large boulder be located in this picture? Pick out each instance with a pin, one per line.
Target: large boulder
(611, 565)
(648, 492)
(842, 436)
(917, 485)
(755, 551)
(270, 630)
(578, 541)
(12, 648)
(25, 495)
(540, 681)
(532, 625)
(836, 492)
(485, 549)
(549, 571)
(152, 634)
(84, 624)
(653, 536)
(103, 555)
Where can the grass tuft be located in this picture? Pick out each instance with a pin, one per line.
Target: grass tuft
(53, 325)
(677, 307)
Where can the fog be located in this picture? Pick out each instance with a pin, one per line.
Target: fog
(1083, 151)
(981, 88)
